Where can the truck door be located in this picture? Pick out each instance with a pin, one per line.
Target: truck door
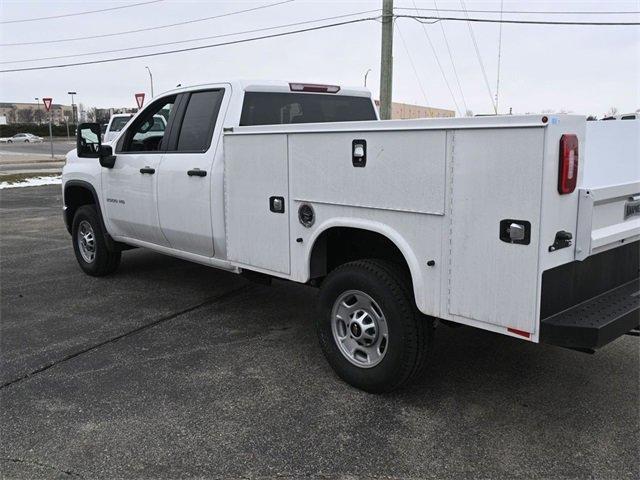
(185, 173)
(130, 199)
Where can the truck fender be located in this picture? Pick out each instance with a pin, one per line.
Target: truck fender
(68, 218)
(383, 229)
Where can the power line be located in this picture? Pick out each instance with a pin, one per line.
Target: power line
(415, 71)
(455, 71)
(190, 49)
(525, 12)
(146, 29)
(444, 77)
(177, 42)
(79, 13)
(422, 19)
(475, 44)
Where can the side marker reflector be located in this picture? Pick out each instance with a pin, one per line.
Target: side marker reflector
(522, 333)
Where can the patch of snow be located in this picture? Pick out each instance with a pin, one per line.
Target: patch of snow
(32, 182)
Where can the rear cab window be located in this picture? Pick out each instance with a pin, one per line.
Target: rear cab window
(278, 108)
(199, 121)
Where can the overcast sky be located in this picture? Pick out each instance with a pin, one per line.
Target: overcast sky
(583, 69)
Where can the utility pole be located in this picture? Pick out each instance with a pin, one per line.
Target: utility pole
(73, 108)
(150, 78)
(386, 60)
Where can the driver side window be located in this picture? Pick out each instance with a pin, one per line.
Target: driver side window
(146, 134)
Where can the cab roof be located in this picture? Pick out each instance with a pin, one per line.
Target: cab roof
(283, 86)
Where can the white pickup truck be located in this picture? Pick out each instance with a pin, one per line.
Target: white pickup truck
(528, 226)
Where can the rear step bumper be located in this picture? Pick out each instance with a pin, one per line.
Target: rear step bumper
(595, 322)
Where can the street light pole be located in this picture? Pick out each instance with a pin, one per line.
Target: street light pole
(365, 77)
(151, 79)
(386, 60)
(73, 108)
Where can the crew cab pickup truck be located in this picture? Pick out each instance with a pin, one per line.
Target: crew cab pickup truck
(527, 226)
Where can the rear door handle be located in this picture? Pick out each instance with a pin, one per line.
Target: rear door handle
(148, 170)
(196, 172)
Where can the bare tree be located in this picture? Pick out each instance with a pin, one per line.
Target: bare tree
(91, 114)
(25, 115)
(102, 115)
(38, 116)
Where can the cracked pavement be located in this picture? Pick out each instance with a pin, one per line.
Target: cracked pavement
(169, 369)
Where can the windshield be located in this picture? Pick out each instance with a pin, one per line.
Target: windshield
(118, 123)
(269, 108)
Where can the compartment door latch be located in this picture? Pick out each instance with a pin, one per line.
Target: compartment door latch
(359, 153)
(562, 240)
(515, 231)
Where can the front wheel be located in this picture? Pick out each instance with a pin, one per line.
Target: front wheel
(369, 327)
(89, 243)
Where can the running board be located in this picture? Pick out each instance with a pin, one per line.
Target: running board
(595, 322)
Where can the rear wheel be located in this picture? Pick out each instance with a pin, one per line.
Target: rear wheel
(89, 243)
(369, 328)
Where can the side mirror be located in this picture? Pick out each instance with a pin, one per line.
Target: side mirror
(89, 144)
(88, 140)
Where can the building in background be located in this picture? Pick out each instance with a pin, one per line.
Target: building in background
(404, 111)
(35, 113)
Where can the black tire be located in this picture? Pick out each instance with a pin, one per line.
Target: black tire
(410, 333)
(26, 141)
(9, 141)
(104, 261)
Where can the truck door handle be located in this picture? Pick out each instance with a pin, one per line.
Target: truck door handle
(196, 172)
(148, 170)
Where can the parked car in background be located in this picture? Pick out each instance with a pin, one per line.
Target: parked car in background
(116, 123)
(22, 138)
(624, 116)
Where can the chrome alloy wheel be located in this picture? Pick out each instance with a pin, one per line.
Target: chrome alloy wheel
(359, 328)
(86, 241)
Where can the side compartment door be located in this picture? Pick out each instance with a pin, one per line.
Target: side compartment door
(185, 174)
(496, 182)
(257, 201)
(130, 187)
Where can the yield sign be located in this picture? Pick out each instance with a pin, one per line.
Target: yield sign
(47, 103)
(139, 99)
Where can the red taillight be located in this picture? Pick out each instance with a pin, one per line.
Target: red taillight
(312, 87)
(568, 168)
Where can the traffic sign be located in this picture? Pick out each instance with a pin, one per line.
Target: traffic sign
(47, 103)
(139, 99)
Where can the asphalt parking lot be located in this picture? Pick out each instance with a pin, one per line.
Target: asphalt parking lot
(60, 147)
(169, 369)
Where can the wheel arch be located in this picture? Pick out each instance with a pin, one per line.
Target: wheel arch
(75, 194)
(381, 238)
